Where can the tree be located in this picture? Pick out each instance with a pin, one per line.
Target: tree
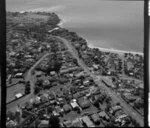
(73, 89)
(50, 109)
(108, 99)
(107, 109)
(39, 83)
(11, 115)
(54, 122)
(75, 61)
(135, 123)
(37, 89)
(118, 103)
(96, 103)
(27, 87)
(138, 103)
(57, 66)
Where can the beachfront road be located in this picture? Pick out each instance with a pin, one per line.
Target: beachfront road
(126, 107)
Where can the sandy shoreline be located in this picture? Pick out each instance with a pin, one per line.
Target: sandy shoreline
(100, 48)
(114, 50)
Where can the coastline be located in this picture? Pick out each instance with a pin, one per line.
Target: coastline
(114, 50)
(100, 48)
(63, 20)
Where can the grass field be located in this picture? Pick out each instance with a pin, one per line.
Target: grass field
(13, 90)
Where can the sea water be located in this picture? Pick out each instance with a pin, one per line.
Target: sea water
(107, 24)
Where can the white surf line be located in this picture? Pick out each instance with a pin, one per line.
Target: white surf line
(115, 50)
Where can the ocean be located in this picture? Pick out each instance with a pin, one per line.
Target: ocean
(106, 24)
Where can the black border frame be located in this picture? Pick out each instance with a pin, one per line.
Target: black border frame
(146, 61)
(3, 61)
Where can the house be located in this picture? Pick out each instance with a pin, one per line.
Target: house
(108, 82)
(28, 56)
(36, 101)
(129, 98)
(63, 67)
(43, 98)
(46, 83)
(77, 95)
(67, 108)
(59, 110)
(44, 124)
(131, 74)
(67, 123)
(95, 90)
(11, 123)
(25, 113)
(9, 78)
(12, 53)
(52, 102)
(74, 104)
(95, 66)
(52, 73)
(60, 99)
(51, 97)
(122, 116)
(86, 82)
(76, 123)
(88, 94)
(108, 72)
(86, 121)
(103, 115)
(18, 95)
(84, 103)
(39, 73)
(19, 75)
(55, 113)
(81, 87)
(95, 118)
(116, 108)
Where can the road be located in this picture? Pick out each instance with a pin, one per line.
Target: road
(30, 78)
(126, 107)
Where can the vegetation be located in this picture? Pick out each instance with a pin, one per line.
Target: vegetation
(54, 122)
(27, 87)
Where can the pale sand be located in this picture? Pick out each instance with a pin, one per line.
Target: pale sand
(114, 50)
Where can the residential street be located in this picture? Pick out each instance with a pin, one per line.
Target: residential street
(127, 108)
(28, 78)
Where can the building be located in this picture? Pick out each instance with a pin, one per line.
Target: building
(74, 104)
(18, 95)
(19, 75)
(103, 115)
(95, 118)
(76, 123)
(86, 121)
(67, 123)
(84, 103)
(108, 82)
(67, 108)
(43, 124)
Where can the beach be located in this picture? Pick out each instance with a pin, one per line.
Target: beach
(100, 48)
(115, 50)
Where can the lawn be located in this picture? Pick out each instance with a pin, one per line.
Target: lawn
(13, 90)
